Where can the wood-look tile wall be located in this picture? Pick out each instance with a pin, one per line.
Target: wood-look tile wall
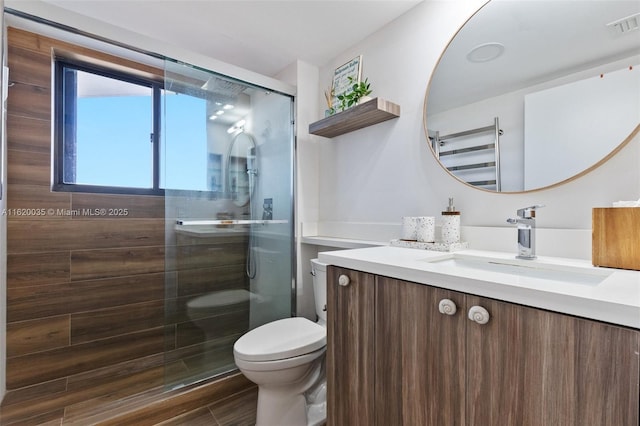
(86, 295)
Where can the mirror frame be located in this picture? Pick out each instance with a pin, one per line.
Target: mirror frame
(606, 158)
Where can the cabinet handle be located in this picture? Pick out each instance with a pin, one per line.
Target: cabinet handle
(447, 307)
(344, 280)
(479, 314)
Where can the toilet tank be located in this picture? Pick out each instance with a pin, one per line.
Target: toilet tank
(319, 272)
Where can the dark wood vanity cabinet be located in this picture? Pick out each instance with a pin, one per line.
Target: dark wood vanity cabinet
(350, 348)
(419, 368)
(532, 367)
(394, 359)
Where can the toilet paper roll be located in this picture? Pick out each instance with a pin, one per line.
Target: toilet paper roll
(426, 229)
(409, 228)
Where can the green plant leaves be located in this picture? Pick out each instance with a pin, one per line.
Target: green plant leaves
(358, 91)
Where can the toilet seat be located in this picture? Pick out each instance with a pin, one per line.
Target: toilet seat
(279, 364)
(281, 339)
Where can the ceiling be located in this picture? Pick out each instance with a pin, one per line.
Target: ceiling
(541, 41)
(263, 36)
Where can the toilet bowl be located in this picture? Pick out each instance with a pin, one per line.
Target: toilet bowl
(285, 358)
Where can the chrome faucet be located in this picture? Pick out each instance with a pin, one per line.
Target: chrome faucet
(526, 222)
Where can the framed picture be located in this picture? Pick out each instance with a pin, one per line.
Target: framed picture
(341, 75)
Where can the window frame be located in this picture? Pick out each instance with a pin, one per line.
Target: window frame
(59, 95)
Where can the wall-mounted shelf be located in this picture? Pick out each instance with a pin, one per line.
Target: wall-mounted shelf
(366, 114)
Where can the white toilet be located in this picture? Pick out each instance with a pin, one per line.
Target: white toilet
(285, 358)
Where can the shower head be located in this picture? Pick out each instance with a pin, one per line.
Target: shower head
(223, 87)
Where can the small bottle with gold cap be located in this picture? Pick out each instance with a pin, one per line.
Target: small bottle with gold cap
(450, 224)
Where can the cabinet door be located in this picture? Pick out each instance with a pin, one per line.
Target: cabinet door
(420, 369)
(531, 367)
(608, 372)
(350, 348)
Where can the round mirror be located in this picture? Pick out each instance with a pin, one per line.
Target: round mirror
(529, 94)
(242, 170)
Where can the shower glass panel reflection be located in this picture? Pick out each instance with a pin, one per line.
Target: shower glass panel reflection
(227, 157)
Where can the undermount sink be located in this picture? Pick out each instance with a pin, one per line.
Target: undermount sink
(536, 269)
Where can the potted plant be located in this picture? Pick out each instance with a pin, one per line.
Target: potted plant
(358, 93)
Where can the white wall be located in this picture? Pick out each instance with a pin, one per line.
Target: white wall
(571, 127)
(305, 77)
(383, 172)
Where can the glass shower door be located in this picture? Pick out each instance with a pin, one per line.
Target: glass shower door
(227, 155)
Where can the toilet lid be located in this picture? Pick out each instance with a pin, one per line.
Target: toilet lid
(281, 339)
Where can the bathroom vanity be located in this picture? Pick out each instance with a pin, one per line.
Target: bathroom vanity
(478, 338)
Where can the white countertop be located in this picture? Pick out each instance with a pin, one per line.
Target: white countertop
(615, 299)
(345, 243)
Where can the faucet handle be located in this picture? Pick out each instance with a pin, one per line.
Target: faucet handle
(529, 212)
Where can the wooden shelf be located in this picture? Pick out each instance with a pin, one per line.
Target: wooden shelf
(366, 114)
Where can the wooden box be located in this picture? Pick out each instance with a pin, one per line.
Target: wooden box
(616, 237)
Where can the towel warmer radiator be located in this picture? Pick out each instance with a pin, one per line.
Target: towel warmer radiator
(443, 141)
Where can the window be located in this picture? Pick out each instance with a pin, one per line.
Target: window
(108, 138)
(185, 150)
(107, 131)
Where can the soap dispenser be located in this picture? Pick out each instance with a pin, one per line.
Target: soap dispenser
(450, 224)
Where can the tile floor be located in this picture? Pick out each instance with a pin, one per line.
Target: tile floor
(239, 410)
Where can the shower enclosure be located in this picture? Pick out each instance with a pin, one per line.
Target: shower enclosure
(227, 169)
